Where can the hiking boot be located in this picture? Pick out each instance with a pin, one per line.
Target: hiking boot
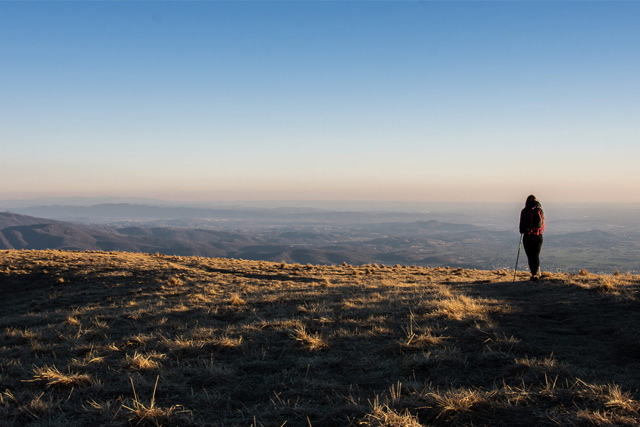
(534, 278)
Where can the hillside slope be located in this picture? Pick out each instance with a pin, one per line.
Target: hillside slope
(26, 232)
(95, 338)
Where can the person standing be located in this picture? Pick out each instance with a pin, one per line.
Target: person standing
(531, 227)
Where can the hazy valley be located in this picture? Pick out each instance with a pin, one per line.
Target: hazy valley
(597, 239)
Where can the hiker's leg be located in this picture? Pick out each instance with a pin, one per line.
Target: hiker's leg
(534, 259)
(526, 243)
(532, 245)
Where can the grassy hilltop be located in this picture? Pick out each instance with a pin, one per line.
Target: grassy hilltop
(101, 338)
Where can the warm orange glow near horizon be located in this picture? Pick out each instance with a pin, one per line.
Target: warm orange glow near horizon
(384, 108)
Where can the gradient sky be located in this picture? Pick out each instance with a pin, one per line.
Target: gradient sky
(412, 101)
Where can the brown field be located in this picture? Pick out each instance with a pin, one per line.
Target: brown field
(100, 338)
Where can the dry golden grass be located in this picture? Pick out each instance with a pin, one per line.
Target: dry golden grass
(461, 307)
(151, 415)
(121, 339)
(52, 377)
(143, 362)
(384, 416)
(309, 340)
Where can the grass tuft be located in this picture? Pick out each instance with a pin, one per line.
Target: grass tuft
(175, 281)
(236, 300)
(143, 362)
(152, 415)
(308, 340)
(453, 406)
(52, 377)
(384, 416)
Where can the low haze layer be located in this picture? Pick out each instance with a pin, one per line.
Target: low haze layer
(598, 238)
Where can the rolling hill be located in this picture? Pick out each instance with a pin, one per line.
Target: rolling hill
(320, 237)
(289, 243)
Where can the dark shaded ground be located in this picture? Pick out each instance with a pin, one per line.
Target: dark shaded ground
(246, 343)
(597, 333)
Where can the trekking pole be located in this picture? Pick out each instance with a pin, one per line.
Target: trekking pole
(517, 258)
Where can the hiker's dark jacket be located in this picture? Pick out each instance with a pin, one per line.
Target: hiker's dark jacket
(532, 219)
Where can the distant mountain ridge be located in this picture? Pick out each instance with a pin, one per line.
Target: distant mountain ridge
(289, 244)
(320, 237)
(26, 232)
(8, 219)
(121, 212)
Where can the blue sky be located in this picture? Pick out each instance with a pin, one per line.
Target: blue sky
(411, 101)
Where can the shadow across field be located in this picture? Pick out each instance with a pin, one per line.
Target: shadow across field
(134, 339)
(595, 332)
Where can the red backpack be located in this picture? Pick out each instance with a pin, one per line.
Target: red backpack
(536, 220)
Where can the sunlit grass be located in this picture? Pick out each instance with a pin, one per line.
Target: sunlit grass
(138, 339)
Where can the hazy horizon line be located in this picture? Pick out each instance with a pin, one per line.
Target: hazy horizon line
(275, 203)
